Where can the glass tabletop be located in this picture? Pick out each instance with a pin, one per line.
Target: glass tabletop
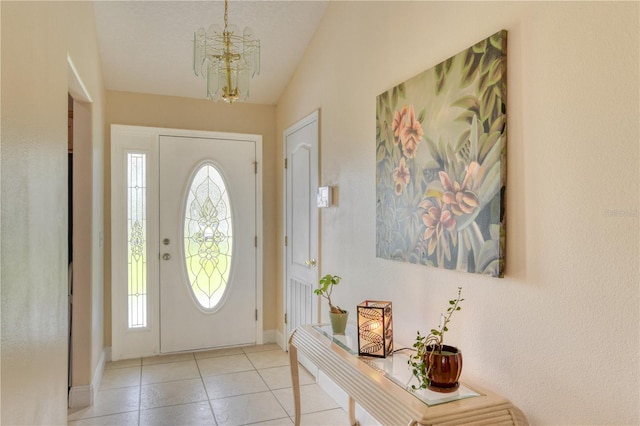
(395, 367)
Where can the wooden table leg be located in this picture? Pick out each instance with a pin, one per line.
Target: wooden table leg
(352, 413)
(295, 381)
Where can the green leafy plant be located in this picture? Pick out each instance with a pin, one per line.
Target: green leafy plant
(426, 346)
(326, 288)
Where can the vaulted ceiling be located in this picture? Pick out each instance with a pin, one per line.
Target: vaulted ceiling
(146, 46)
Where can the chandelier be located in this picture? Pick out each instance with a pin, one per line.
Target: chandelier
(226, 59)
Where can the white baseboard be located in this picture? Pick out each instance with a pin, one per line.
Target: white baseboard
(281, 340)
(81, 396)
(269, 336)
(84, 395)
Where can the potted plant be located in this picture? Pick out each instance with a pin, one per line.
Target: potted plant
(437, 366)
(337, 315)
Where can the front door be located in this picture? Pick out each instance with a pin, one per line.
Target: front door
(208, 249)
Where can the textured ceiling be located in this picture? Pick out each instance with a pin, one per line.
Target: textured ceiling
(146, 46)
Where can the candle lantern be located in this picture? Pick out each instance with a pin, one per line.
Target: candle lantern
(375, 329)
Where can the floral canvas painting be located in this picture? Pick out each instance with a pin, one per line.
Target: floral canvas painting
(441, 163)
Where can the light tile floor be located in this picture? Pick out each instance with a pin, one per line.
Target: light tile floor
(236, 386)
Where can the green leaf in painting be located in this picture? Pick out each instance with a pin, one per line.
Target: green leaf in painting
(448, 64)
(494, 155)
(466, 116)
(490, 185)
(463, 146)
(498, 124)
(462, 263)
(487, 145)
(402, 90)
(388, 114)
(480, 47)
(398, 254)
(487, 59)
(494, 268)
(473, 138)
(494, 231)
(438, 70)
(489, 252)
(381, 153)
(468, 74)
(495, 72)
(476, 239)
(467, 62)
(483, 86)
(431, 164)
(421, 115)
(487, 106)
(467, 241)
(433, 150)
(469, 102)
(496, 40)
(440, 84)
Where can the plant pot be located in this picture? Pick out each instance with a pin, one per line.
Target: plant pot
(338, 322)
(446, 367)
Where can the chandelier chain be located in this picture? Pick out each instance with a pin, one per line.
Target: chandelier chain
(226, 14)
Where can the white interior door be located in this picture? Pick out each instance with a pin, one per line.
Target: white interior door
(301, 142)
(208, 243)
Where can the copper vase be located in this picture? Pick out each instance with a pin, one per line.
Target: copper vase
(446, 368)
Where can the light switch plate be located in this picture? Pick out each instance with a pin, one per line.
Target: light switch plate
(324, 196)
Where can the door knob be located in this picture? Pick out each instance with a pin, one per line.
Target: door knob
(311, 262)
(166, 256)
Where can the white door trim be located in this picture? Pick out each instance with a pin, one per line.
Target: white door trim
(146, 342)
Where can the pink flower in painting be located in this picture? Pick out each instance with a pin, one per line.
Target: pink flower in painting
(411, 133)
(401, 176)
(461, 198)
(398, 124)
(441, 229)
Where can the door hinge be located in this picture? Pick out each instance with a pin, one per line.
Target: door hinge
(256, 315)
(286, 163)
(255, 167)
(285, 318)
(256, 241)
(286, 241)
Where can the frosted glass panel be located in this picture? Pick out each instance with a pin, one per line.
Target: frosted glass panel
(137, 239)
(208, 236)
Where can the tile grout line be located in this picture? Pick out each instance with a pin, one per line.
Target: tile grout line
(205, 389)
(140, 393)
(268, 387)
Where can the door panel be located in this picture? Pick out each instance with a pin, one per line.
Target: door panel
(218, 239)
(302, 222)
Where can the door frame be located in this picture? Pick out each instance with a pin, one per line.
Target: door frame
(315, 305)
(133, 343)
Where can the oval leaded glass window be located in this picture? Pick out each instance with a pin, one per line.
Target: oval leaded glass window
(208, 236)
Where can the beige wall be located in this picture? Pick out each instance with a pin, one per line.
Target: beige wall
(198, 114)
(36, 39)
(559, 334)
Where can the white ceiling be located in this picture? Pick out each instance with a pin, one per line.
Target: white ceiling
(146, 46)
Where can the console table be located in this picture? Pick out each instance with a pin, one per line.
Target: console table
(382, 386)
